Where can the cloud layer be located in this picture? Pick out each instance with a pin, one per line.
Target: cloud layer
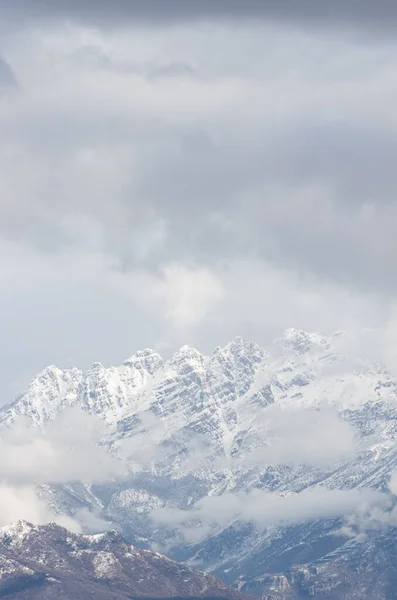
(267, 509)
(67, 451)
(298, 437)
(169, 184)
(362, 15)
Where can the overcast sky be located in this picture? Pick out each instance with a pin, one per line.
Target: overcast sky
(184, 172)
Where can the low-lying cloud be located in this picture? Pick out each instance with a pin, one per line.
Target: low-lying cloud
(266, 509)
(22, 502)
(67, 450)
(298, 436)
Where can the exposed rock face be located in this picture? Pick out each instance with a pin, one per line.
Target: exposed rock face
(368, 571)
(48, 562)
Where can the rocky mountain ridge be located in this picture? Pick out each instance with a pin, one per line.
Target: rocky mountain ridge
(195, 426)
(49, 562)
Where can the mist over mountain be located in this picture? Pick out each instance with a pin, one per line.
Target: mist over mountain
(258, 464)
(217, 173)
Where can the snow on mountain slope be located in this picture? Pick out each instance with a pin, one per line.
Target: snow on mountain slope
(49, 562)
(106, 392)
(367, 570)
(241, 370)
(197, 426)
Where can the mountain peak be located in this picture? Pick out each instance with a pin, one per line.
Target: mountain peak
(15, 532)
(51, 371)
(54, 563)
(197, 428)
(96, 366)
(302, 341)
(146, 359)
(187, 354)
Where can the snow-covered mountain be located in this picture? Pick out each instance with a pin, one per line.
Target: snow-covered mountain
(366, 571)
(195, 428)
(49, 562)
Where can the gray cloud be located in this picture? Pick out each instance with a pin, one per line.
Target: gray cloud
(308, 12)
(157, 190)
(7, 76)
(274, 184)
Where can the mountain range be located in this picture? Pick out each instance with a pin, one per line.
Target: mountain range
(270, 467)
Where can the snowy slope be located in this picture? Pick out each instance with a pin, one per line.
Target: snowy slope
(188, 426)
(49, 562)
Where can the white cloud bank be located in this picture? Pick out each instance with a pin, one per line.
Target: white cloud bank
(22, 502)
(66, 451)
(266, 509)
(301, 436)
